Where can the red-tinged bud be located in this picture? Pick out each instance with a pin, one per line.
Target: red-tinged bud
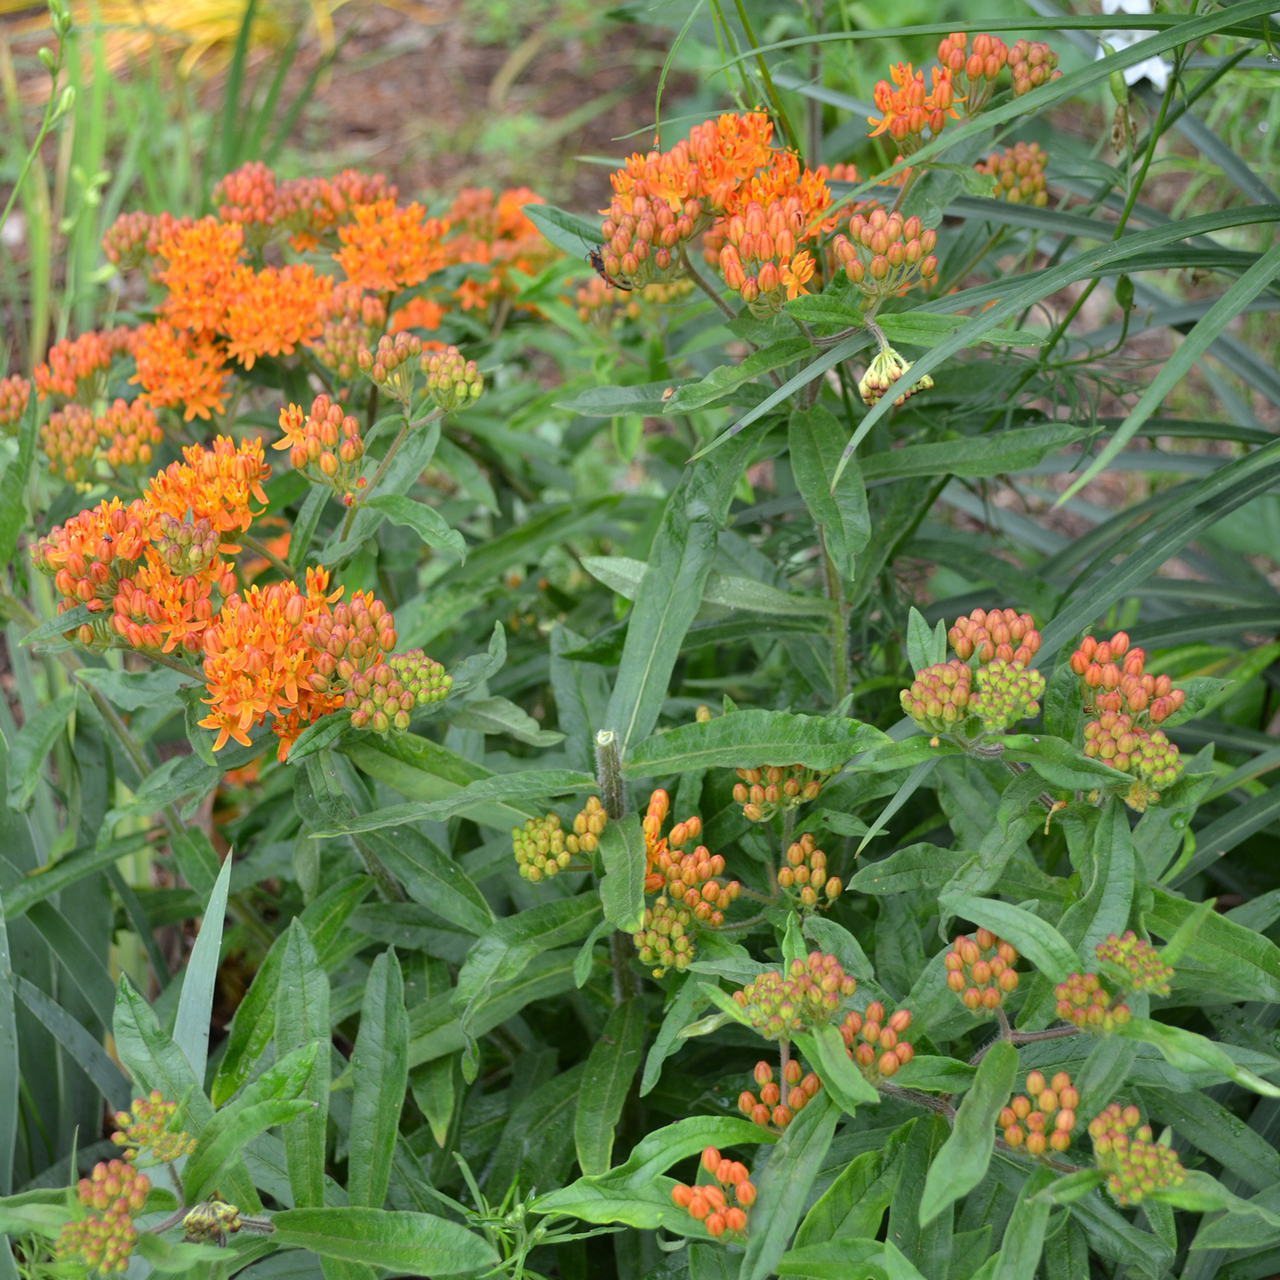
(746, 1194)
(781, 1116)
(681, 1195)
(770, 1094)
(763, 1073)
(760, 1114)
(792, 1073)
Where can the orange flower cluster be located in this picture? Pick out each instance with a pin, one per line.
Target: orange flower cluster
(883, 1052)
(301, 208)
(994, 635)
(765, 791)
(1112, 679)
(325, 444)
(806, 871)
(258, 662)
(980, 970)
(974, 71)
(201, 263)
(770, 1106)
(75, 368)
(135, 238)
(885, 254)
(349, 319)
(180, 369)
(710, 1203)
(216, 484)
(74, 440)
(417, 313)
(496, 235)
(385, 248)
(906, 110)
(1019, 174)
(1058, 1099)
(14, 391)
(270, 312)
(103, 1243)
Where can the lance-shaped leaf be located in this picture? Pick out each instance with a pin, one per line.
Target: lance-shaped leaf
(409, 1243)
(962, 1162)
(380, 1073)
(611, 1067)
(622, 851)
(425, 521)
(839, 508)
(1191, 1052)
(31, 744)
(195, 1005)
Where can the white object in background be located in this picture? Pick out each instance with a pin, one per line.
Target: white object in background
(1154, 69)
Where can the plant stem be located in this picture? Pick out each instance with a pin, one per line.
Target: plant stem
(1023, 1037)
(697, 279)
(920, 1099)
(792, 141)
(280, 566)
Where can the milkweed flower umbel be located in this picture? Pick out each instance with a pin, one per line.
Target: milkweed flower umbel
(179, 369)
(201, 263)
(907, 110)
(385, 248)
(14, 391)
(103, 1240)
(1026, 1120)
(1019, 174)
(325, 444)
(75, 367)
(270, 312)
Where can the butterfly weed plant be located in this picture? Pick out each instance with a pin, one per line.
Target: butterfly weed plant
(663, 789)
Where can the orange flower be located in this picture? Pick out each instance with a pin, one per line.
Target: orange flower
(213, 484)
(803, 192)
(385, 248)
(796, 275)
(418, 313)
(269, 312)
(906, 111)
(176, 367)
(73, 362)
(14, 391)
(202, 260)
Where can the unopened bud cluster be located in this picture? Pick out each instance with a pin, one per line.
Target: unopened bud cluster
(1135, 1166)
(539, 848)
(887, 374)
(393, 367)
(1116, 740)
(974, 68)
(146, 1130)
(383, 696)
(14, 391)
(600, 304)
(452, 382)
(763, 260)
(664, 938)
(186, 546)
(1019, 174)
(772, 1107)
(1026, 1120)
(721, 1206)
(103, 1240)
(939, 696)
(588, 826)
(811, 992)
(1002, 633)
(1112, 678)
(773, 789)
(880, 1052)
(1006, 693)
(806, 872)
(211, 1222)
(885, 254)
(1031, 64)
(643, 246)
(1082, 1002)
(135, 238)
(74, 440)
(324, 444)
(1138, 960)
(353, 319)
(980, 970)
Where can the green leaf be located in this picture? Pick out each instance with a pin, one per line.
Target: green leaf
(855, 1203)
(179, 1256)
(1069, 1188)
(925, 329)
(839, 508)
(689, 1002)
(826, 1051)
(425, 521)
(78, 960)
(531, 785)
(836, 1260)
(134, 690)
(585, 960)
(9, 1062)
(727, 378)
(13, 484)
(836, 940)
(1257, 278)
(1247, 962)
(380, 1073)
(254, 1022)
(1024, 1236)
(195, 1005)
(622, 852)
(431, 877)
(415, 1243)
(84, 1049)
(33, 1219)
(537, 1143)
(501, 715)
(435, 1090)
(647, 1207)
(974, 456)
(581, 691)
(302, 1017)
(753, 738)
(224, 1136)
(962, 1162)
(611, 1067)
(918, 866)
(784, 1185)
(31, 744)
(657, 1151)
(1036, 939)
(680, 558)
(1060, 764)
(1188, 1051)
(945, 1075)
(570, 233)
